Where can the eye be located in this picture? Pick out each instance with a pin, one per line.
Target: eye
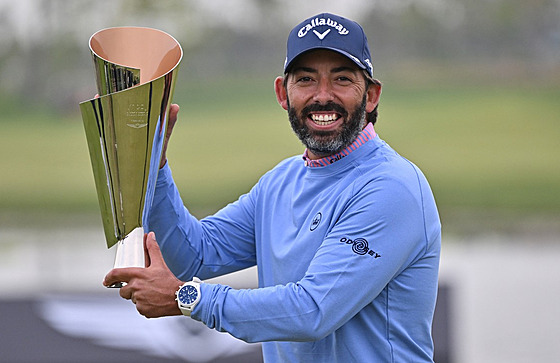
(304, 79)
(344, 79)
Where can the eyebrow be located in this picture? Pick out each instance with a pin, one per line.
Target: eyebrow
(333, 70)
(344, 69)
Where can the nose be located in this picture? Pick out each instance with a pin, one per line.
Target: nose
(323, 92)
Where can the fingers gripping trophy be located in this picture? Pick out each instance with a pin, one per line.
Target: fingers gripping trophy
(125, 127)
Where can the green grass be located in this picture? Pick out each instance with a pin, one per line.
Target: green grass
(482, 148)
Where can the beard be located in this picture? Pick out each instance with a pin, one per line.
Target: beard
(325, 143)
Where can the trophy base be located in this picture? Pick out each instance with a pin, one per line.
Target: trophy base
(130, 253)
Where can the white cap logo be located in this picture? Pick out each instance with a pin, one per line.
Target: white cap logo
(319, 22)
(321, 36)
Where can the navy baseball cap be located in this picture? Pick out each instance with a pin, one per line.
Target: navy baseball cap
(333, 32)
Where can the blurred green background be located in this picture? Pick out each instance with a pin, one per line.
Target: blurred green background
(471, 95)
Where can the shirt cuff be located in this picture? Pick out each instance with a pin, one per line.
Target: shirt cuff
(200, 310)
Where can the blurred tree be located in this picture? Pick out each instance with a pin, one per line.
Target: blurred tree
(44, 53)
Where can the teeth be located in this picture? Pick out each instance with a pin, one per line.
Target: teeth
(324, 119)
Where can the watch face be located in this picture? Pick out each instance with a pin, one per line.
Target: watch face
(187, 295)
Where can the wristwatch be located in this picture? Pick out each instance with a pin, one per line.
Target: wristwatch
(188, 296)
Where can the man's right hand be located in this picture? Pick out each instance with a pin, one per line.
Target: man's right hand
(173, 111)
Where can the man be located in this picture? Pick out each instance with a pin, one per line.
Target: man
(346, 241)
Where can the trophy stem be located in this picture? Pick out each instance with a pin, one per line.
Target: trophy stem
(130, 252)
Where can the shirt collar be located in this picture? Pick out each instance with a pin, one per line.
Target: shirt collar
(365, 135)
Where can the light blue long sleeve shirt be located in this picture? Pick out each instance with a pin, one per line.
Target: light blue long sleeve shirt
(347, 258)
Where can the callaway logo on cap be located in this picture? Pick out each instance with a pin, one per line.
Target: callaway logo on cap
(329, 31)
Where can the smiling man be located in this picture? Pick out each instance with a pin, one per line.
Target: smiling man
(334, 97)
(347, 240)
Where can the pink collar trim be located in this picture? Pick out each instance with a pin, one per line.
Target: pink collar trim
(367, 134)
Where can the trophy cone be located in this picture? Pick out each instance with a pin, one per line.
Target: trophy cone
(136, 69)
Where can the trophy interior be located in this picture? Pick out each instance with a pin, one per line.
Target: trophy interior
(152, 51)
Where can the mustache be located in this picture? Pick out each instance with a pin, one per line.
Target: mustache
(331, 106)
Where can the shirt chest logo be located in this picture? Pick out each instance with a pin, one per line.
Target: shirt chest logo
(316, 221)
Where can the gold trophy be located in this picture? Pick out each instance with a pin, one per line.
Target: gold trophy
(136, 69)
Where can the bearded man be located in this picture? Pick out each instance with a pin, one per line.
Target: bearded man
(346, 238)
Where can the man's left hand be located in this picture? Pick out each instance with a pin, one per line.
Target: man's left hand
(152, 289)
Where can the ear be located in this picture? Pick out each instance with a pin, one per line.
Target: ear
(281, 92)
(373, 95)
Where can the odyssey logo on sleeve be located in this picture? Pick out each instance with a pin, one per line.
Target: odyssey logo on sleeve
(360, 247)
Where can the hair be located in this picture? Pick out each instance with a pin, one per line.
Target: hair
(371, 116)
(370, 81)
